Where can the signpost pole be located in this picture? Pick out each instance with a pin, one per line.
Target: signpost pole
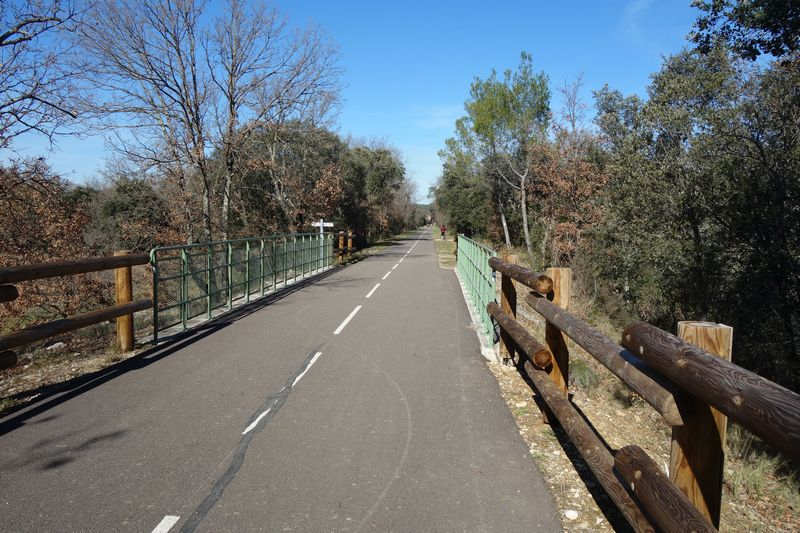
(322, 225)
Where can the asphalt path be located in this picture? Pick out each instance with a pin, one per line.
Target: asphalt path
(358, 401)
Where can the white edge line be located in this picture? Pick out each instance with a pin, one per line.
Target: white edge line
(166, 523)
(307, 368)
(255, 422)
(395, 266)
(347, 320)
(375, 288)
(386, 275)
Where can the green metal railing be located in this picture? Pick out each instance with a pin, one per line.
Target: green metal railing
(473, 268)
(195, 280)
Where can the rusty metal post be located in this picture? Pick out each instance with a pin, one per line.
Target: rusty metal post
(123, 284)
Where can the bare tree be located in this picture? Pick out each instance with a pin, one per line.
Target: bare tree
(37, 87)
(574, 109)
(148, 71)
(265, 75)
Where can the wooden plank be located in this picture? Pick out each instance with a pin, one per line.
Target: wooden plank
(562, 281)
(764, 407)
(8, 293)
(123, 286)
(541, 283)
(697, 454)
(65, 268)
(591, 448)
(663, 502)
(57, 327)
(520, 338)
(621, 362)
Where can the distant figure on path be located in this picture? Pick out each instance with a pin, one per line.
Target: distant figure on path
(443, 228)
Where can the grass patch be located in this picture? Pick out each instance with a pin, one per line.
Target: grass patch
(445, 249)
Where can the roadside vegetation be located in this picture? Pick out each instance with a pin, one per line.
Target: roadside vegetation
(681, 205)
(220, 124)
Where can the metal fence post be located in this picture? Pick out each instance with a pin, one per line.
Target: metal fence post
(247, 271)
(184, 289)
(154, 264)
(230, 276)
(261, 270)
(209, 273)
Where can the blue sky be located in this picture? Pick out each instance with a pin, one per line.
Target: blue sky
(408, 65)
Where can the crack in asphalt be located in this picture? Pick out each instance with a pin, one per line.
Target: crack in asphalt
(272, 404)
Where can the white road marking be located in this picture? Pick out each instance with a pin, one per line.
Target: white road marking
(310, 363)
(349, 318)
(166, 523)
(395, 266)
(386, 275)
(401, 260)
(252, 426)
(375, 288)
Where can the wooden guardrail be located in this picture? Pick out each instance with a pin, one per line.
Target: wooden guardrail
(692, 386)
(123, 311)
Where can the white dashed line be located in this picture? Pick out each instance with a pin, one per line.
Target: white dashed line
(166, 523)
(395, 266)
(386, 275)
(252, 426)
(375, 288)
(348, 319)
(303, 373)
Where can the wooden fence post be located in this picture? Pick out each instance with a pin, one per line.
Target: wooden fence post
(508, 303)
(349, 243)
(124, 290)
(562, 281)
(697, 454)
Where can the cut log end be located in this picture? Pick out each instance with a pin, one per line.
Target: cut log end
(8, 293)
(543, 285)
(542, 359)
(8, 359)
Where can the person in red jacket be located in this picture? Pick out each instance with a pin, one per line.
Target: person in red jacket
(443, 228)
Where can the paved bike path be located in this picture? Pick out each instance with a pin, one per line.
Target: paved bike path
(275, 423)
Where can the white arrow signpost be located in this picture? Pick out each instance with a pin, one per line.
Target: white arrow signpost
(321, 224)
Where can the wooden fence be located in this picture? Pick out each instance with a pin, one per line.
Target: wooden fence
(689, 380)
(123, 311)
(121, 262)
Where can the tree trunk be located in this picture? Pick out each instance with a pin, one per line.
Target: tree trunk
(523, 205)
(503, 222)
(207, 233)
(545, 238)
(226, 205)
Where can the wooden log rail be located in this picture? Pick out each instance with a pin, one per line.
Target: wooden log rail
(664, 503)
(57, 327)
(121, 262)
(770, 411)
(684, 383)
(540, 283)
(67, 268)
(592, 449)
(617, 359)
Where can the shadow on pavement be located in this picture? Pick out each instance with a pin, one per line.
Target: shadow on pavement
(49, 396)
